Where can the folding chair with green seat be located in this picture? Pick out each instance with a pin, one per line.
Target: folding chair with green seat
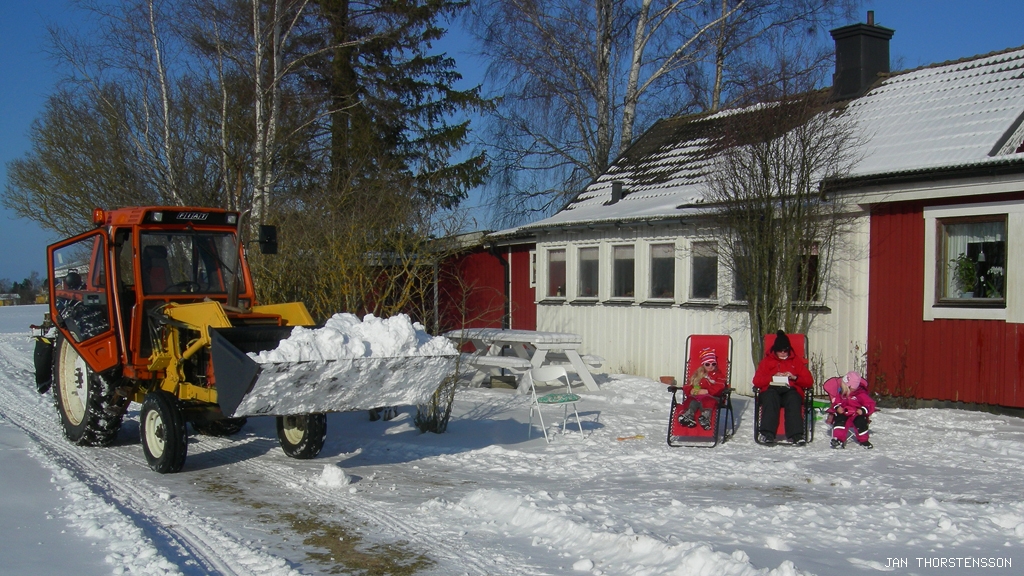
(564, 399)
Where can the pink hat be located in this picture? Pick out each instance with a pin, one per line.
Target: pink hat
(853, 380)
(708, 355)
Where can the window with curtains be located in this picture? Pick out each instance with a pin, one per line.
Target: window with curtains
(556, 273)
(663, 270)
(972, 266)
(588, 272)
(623, 267)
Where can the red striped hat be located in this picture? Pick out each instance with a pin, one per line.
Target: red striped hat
(708, 355)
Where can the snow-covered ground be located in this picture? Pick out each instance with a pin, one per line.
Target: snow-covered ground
(941, 487)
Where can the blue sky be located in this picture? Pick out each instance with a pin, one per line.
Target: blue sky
(927, 31)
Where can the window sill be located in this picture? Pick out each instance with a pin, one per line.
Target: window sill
(967, 309)
(662, 303)
(620, 302)
(962, 312)
(552, 301)
(971, 303)
(584, 301)
(703, 304)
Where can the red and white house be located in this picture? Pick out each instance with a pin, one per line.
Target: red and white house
(630, 266)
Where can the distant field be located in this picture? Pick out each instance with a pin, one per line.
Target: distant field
(16, 319)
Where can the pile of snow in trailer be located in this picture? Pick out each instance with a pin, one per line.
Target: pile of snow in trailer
(350, 364)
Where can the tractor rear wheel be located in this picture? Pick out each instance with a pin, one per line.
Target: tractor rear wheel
(224, 427)
(164, 436)
(302, 436)
(90, 410)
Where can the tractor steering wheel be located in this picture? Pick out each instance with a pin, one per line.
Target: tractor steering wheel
(184, 286)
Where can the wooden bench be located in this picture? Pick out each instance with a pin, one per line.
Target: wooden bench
(493, 365)
(591, 360)
(506, 362)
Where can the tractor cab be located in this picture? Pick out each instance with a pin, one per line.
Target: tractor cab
(108, 282)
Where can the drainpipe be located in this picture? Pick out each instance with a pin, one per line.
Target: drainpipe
(506, 318)
(437, 305)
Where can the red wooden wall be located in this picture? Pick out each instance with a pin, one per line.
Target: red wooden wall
(971, 361)
(472, 288)
(471, 291)
(524, 297)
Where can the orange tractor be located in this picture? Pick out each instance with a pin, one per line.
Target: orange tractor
(156, 306)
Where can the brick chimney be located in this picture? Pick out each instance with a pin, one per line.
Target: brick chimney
(862, 53)
(616, 192)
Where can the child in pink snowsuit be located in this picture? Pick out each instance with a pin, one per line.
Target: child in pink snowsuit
(851, 408)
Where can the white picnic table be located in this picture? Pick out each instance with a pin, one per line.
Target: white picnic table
(531, 350)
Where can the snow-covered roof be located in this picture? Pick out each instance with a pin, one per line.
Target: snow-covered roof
(951, 115)
(947, 115)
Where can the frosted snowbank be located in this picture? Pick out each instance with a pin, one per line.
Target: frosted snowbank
(346, 336)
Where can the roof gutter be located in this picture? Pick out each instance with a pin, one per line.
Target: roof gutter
(631, 223)
(1009, 166)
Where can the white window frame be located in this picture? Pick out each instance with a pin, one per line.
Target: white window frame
(694, 243)
(648, 271)
(578, 260)
(1014, 309)
(545, 278)
(533, 268)
(611, 288)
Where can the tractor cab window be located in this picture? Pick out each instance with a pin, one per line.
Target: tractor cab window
(188, 262)
(79, 287)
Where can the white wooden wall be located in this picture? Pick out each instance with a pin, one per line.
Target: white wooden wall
(646, 339)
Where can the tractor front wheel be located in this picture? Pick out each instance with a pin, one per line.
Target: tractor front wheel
(164, 436)
(90, 409)
(302, 436)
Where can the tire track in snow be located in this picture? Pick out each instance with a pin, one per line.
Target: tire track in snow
(383, 516)
(118, 477)
(196, 543)
(443, 544)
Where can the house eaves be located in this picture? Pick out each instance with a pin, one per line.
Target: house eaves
(987, 168)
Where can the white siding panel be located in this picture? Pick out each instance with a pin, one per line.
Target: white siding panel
(650, 341)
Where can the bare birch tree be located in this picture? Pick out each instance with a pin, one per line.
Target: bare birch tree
(132, 49)
(579, 81)
(778, 234)
(233, 103)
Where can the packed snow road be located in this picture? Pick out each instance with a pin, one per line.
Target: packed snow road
(239, 507)
(939, 494)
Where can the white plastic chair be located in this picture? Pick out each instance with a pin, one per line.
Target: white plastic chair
(564, 399)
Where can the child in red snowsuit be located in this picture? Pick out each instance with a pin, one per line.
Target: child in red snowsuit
(702, 391)
(851, 409)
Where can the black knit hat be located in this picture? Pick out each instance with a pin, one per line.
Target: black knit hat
(781, 343)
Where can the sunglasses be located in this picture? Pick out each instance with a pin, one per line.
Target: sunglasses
(710, 364)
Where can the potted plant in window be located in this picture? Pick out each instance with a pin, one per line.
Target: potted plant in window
(991, 283)
(964, 275)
